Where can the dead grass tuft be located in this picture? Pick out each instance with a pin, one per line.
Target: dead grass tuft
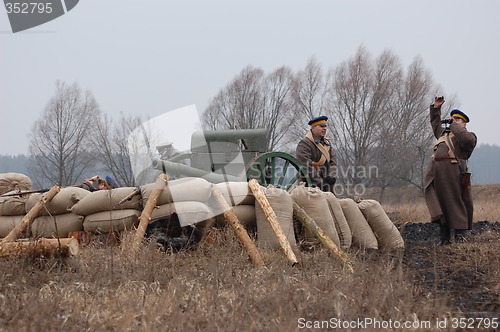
(215, 288)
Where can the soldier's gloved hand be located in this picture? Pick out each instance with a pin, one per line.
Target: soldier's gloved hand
(330, 180)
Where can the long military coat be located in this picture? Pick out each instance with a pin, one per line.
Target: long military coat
(448, 201)
(307, 152)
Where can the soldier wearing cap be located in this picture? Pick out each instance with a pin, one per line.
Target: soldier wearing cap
(315, 153)
(447, 182)
(167, 151)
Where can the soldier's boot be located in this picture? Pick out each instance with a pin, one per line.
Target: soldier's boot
(445, 235)
(460, 236)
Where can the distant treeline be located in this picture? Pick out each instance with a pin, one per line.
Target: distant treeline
(484, 164)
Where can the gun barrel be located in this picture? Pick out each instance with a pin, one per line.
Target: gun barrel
(182, 170)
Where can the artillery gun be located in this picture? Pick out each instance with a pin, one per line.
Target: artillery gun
(235, 155)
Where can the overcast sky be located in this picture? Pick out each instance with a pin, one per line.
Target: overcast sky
(149, 57)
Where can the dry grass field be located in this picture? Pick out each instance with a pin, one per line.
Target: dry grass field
(216, 288)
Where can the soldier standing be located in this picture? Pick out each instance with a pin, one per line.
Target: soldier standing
(447, 182)
(315, 153)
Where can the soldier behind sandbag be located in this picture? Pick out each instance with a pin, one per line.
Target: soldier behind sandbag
(96, 183)
(315, 153)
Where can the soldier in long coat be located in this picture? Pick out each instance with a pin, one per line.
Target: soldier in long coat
(315, 153)
(447, 182)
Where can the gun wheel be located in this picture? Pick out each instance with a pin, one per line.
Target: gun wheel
(277, 168)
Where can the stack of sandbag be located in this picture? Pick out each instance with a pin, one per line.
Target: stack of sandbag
(388, 236)
(12, 211)
(14, 182)
(103, 214)
(282, 204)
(343, 230)
(56, 219)
(314, 203)
(186, 197)
(362, 234)
(240, 198)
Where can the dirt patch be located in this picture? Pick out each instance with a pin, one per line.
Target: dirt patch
(465, 274)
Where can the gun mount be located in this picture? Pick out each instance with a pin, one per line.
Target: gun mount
(235, 155)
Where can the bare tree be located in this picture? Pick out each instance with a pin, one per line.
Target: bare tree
(239, 104)
(253, 100)
(362, 94)
(406, 136)
(109, 142)
(60, 137)
(311, 89)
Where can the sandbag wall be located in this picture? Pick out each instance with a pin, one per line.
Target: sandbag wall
(12, 208)
(240, 198)
(314, 203)
(56, 218)
(103, 214)
(186, 197)
(363, 224)
(282, 204)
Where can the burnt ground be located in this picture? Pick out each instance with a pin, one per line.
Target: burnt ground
(467, 275)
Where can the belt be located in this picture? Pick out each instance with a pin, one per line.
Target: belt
(441, 159)
(452, 160)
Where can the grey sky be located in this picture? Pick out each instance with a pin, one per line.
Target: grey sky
(148, 57)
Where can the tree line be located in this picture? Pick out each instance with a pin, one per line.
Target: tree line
(378, 114)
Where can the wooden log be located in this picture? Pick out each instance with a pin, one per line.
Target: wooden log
(319, 234)
(31, 215)
(273, 220)
(238, 228)
(145, 217)
(63, 247)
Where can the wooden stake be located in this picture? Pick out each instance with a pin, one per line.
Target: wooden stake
(319, 234)
(238, 229)
(31, 215)
(273, 220)
(145, 218)
(41, 248)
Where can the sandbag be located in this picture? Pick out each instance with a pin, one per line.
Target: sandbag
(244, 213)
(111, 221)
(14, 182)
(341, 225)
(13, 205)
(236, 193)
(8, 223)
(46, 226)
(188, 212)
(362, 234)
(282, 204)
(61, 203)
(180, 190)
(313, 202)
(107, 200)
(387, 234)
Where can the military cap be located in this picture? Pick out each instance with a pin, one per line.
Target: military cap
(163, 145)
(459, 114)
(320, 120)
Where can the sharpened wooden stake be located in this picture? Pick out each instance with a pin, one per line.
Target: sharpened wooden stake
(273, 220)
(238, 229)
(64, 247)
(145, 218)
(31, 215)
(319, 234)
